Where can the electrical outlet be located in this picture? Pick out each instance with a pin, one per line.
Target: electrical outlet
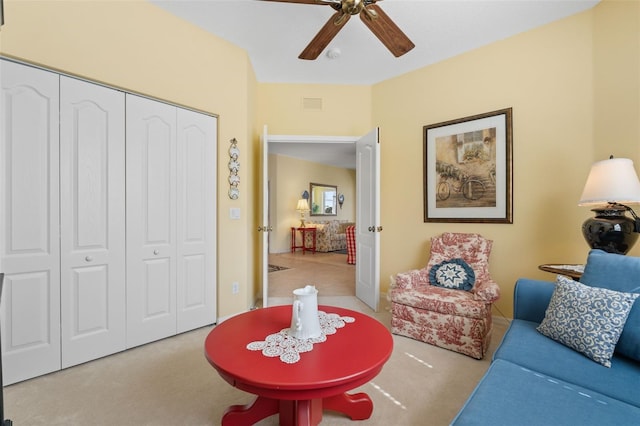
(235, 288)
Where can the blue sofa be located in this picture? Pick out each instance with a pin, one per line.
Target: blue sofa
(535, 380)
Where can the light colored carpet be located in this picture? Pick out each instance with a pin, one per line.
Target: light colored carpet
(329, 272)
(170, 383)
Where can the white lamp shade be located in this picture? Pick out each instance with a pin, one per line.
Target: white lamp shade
(303, 205)
(613, 180)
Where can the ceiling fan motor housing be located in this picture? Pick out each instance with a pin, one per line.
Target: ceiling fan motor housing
(352, 7)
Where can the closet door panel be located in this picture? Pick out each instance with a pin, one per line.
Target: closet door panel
(92, 194)
(151, 218)
(29, 221)
(196, 224)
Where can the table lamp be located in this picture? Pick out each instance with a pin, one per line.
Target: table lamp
(302, 207)
(611, 185)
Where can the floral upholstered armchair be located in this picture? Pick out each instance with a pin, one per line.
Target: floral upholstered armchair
(448, 303)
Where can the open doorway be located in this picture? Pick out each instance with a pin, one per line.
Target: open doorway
(286, 188)
(295, 163)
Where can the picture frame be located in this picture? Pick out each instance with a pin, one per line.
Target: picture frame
(468, 169)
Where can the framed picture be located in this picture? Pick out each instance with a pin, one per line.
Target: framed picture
(468, 174)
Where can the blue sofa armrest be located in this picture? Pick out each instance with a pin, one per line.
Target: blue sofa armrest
(531, 298)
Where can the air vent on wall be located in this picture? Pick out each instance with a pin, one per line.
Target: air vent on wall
(312, 104)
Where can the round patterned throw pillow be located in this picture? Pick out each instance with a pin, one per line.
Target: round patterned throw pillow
(454, 274)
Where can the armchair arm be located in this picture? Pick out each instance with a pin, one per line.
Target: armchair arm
(410, 279)
(531, 298)
(487, 291)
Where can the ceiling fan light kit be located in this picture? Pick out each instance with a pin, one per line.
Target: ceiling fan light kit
(333, 53)
(373, 17)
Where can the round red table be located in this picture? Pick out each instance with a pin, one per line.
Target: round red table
(299, 392)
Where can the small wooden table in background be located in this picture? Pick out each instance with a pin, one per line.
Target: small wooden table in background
(303, 246)
(570, 270)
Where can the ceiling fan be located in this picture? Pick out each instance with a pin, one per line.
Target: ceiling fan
(372, 16)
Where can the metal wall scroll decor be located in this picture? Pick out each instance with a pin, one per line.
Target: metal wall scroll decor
(234, 167)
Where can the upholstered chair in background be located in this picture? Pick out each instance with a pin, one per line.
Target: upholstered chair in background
(448, 303)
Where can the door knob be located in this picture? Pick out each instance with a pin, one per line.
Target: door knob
(88, 259)
(156, 252)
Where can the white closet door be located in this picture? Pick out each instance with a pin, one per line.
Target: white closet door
(151, 220)
(29, 221)
(196, 220)
(92, 216)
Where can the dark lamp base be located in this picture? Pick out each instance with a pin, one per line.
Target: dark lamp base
(610, 230)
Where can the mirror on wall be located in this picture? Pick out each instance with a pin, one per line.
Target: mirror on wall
(323, 199)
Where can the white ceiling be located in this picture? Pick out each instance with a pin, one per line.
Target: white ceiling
(274, 34)
(335, 151)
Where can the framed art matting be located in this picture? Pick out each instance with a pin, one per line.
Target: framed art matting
(468, 174)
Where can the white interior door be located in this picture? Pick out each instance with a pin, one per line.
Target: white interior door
(151, 220)
(92, 221)
(368, 219)
(196, 220)
(29, 221)
(265, 227)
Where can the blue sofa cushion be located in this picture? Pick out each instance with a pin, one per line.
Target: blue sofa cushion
(454, 274)
(522, 344)
(510, 394)
(587, 319)
(620, 273)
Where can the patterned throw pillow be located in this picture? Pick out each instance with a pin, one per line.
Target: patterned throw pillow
(587, 319)
(454, 274)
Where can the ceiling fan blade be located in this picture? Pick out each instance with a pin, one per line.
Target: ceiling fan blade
(324, 36)
(307, 1)
(386, 30)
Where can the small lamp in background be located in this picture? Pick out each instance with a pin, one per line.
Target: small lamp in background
(302, 207)
(611, 185)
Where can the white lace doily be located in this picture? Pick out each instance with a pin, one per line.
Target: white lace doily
(289, 348)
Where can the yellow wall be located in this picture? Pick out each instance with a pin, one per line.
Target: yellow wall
(617, 81)
(289, 177)
(573, 86)
(557, 79)
(138, 47)
(346, 110)
(546, 76)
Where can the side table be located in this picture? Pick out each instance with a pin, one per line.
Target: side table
(574, 271)
(303, 245)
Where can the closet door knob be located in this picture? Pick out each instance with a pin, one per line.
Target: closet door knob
(156, 252)
(88, 259)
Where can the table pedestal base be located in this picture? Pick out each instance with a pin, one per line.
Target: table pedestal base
(299, 412)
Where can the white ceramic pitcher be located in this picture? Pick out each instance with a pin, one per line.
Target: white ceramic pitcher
(304, 317)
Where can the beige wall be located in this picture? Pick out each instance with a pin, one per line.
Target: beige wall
(138, 47)
(289, 177)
